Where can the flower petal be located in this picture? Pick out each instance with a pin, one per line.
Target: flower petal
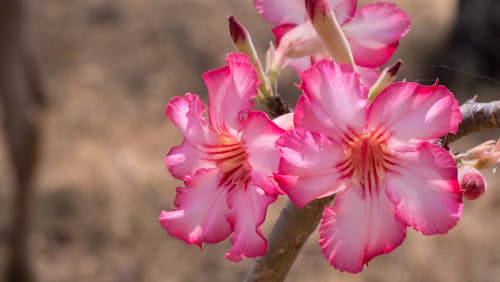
(301, 41)
(248, 211)
(282, 11)
(280, 31)
(344, 10)
(294, 11)
(230, 89)
(259, 135)
(307, 167)
(285, 121)
(374, 33)
(300, 64)
(199, 216)
(359, 227)
(185, 160)
(412, 112)
(186, 113)
(368, 75)
(425, 189)
(334, 101)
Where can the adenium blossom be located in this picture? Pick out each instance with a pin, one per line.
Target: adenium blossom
(375, 157)
(372, 31)
(226, 163)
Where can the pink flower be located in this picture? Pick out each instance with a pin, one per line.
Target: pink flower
(375, 157)
(226, 163)
(372, 32)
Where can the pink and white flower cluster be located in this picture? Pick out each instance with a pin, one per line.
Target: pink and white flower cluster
(379, 157)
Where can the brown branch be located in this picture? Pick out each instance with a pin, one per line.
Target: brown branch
(477, 117)
(289, 234)
(294, 226)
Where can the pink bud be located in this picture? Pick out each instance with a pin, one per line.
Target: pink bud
(243, 43)
(393, 70)
(387, 76)
(328, 29)
(238, 32)
(472, 182)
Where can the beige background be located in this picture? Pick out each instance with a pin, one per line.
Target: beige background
(110, 67)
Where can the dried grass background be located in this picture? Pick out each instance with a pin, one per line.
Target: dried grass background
(109, 68)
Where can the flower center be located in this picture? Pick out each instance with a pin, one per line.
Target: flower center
(368, 158)
(230, 158)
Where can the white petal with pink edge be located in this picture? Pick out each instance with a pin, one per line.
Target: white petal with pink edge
(259, 135)
(185, 160)
(230, 89)
(280, 31)
(368, 75)
(344, 10)
(186, 113)
(300, 64)
(358, 227)
(248, 211)
(334, 100)
(282, 11)
(374, 33)
(425, 189)
(200, 213)
(285, 121)
(300, 41)
(307, 168)
(412, 112)
(293, 11)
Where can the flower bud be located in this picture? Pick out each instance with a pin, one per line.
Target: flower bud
(485, 155)
(483, 149)
(243, 43)
(328, 29)
(240, 36)
(472, 182)
(295, 42)
(387, 76)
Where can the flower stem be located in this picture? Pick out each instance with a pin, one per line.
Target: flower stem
(289, 234)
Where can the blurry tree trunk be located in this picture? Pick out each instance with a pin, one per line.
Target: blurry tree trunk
(474, 43)
(21, 98)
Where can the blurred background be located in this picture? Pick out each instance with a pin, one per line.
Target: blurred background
(108, 68)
